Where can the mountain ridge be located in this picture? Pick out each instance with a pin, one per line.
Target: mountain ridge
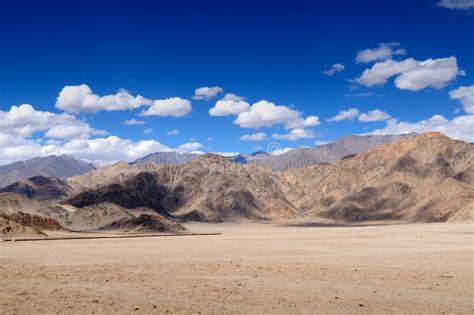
(61, 166)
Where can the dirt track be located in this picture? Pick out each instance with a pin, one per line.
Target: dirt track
(256, 268)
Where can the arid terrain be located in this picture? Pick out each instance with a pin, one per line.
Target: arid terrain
(388, 229)
(250, 268)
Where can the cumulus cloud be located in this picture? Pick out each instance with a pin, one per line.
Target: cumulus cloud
(100, 151)
(348, 114)
(374, 115)
(458, 128)
(465, 94)
(266, 114)
(81, 99)
(206, 93)
(310, 121)
(383, 52)
(132, 122)
(147, 131)
(192, 147)
(230, 104)
(456, 4)
(259, 136)
(174, 107)
(173, 132)
(335, 68)
(411, 74)
(295, 134)
(24, 121)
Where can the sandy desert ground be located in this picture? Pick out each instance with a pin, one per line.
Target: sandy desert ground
(250, 268)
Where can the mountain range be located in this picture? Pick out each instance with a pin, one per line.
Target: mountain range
(61, 166)
(418, 178)
(65, 166)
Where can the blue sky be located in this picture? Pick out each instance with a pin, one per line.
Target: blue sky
(68, 60)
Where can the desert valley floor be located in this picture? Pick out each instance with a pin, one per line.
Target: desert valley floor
(249, 268)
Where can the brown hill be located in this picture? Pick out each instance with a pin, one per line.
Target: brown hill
(112, 174)
(326, 153)
(40, 187)
(11, 229)
(211, 188)
(145, 223)
(34, 221)
(425, 178)
(11, 203)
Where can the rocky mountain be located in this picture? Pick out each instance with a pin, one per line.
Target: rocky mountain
(40, 187)
(115, 173)
(419, 178)
(327, 153)
(424, 178)
(248, 158)
(211, 188)
(167, 158)
(61, 166)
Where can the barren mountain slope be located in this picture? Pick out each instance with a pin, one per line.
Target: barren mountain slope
(326, 153)
(173, 157)
(60, 166)
(424, 178)
(211, 188)
(11, 204)
(116, 173)
(40, 187)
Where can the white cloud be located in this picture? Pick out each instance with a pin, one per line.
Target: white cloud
(24, 121)
(456, 4)
(147, 131)
(460, 127)
(173, 132)
(310, 121)
(374, 115)
(192, 147)
(132, 122)
(280, 151)
(206, 93)
(465, 94)
(174, 107)
(230, 104)
(80, 98)
(383, 52)
(209, 139)
(411, 74)
(99, 151)
(335, 68)
(259, 136)
(266, 114)
(295, 134)
(261, 114)
(382, 71)
(353, 113)
(348, 114)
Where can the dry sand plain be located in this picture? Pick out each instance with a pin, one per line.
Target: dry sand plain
(250, 268)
